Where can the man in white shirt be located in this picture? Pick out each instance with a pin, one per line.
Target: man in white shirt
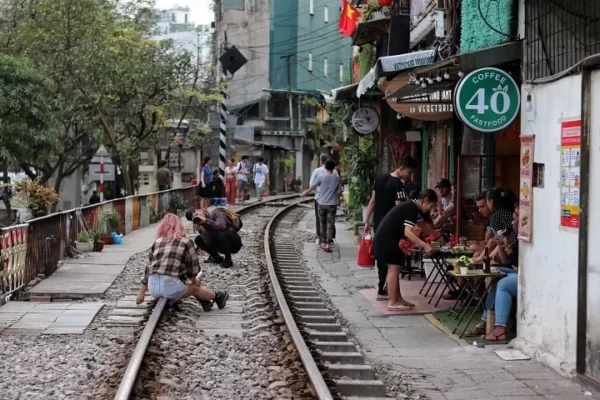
(261, 178)
(313, 180)
(242, 174)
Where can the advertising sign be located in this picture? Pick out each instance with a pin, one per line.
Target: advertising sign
(487, 100)
(570, 178)
(526, 187)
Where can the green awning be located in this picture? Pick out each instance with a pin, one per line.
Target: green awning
(490, 57)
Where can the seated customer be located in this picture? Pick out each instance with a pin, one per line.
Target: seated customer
(484, 210)
(504, 291)
(173, 266)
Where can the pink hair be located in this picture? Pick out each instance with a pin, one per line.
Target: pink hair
(170, 228)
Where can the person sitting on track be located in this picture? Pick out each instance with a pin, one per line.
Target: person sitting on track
(217, 234)
(173, 266)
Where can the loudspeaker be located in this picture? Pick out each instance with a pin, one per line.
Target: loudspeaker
(232, 60)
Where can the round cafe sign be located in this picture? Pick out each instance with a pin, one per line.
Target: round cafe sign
(487, 100)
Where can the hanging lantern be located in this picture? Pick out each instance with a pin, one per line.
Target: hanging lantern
(385, 3)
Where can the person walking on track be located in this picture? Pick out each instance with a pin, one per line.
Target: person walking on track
(388, 191)
(231, 177)
(329, 183)
(242, 178)
(398, 224)
(261, 178)
(313, 179)
(205, 188)
(173, 266)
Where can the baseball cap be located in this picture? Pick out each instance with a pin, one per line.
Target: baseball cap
(444, 183)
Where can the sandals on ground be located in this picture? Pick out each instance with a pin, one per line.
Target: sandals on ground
(400, 307)
(492, 337)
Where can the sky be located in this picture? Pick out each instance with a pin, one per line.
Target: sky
(200, 11)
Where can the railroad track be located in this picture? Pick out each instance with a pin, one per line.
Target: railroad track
(331, 360)
(332, 363)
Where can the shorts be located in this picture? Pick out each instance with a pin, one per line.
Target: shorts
(205, 193)
(390, 255)
(242, 185)
(169, 287)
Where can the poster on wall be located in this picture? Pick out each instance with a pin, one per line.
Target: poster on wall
(526, 187)
(570, 153)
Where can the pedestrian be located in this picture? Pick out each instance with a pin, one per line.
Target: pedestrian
(231, 177)
(399, 224)
(261, 178)
(205, 187)
(242, 178)
(164, 176)
(313, 179)
(94, 198)
(217, 234)
(388, 191)
(219, 198)
(329, 184)
(173, 265)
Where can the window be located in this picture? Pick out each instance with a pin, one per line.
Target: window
(341, 73)
(310, 62)
(185, 18)
(325, 67)
(311, 7)
(326, 14)
(233, 5)
(173, 18)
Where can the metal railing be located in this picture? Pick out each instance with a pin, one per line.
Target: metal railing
(37, 246)
(559, 34)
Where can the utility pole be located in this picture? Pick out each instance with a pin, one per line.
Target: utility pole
(288, 58)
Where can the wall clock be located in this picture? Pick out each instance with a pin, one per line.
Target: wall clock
(365, 120)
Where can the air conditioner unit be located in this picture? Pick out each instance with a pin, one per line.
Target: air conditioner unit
(439, 20)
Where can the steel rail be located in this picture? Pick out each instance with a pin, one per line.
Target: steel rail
(135, 362)
(315, 377)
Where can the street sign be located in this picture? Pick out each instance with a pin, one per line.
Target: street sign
(101, 155)
(94, 172)
(487, 100)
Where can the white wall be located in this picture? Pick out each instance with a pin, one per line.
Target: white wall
(547, 300)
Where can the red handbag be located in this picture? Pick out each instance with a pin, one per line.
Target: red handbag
(365, 250)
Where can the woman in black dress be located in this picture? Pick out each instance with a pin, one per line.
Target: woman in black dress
(399, 224)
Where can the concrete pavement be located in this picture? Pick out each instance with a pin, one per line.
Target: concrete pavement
(411, 344)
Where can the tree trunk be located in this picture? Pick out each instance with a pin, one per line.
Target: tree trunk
(57, 183)
(126, 178)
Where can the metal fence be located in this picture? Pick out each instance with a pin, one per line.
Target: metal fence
(36, 247)
(559, 34)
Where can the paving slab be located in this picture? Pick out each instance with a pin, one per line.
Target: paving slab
(93, 275)
(411, 344)
(48, 318)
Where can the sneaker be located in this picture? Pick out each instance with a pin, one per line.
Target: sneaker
(207, 305)
(221, 299)
(213, 260)
(227, 264)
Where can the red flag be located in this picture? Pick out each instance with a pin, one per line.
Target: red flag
(348, 19)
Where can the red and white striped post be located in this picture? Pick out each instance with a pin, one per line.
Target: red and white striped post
(101, 177)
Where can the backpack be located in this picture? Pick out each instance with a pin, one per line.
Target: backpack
(233, 218)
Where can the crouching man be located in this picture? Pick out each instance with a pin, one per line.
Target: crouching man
(173, 266)
(217, 234)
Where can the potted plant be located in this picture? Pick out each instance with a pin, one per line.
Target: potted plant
(84, 242)
(96, 240)
(112, 222)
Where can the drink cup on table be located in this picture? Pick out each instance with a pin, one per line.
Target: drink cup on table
(464, 270)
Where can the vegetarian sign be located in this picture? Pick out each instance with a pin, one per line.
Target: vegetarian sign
(487, 100)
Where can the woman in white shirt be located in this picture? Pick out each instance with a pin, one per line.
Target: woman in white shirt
(230, 182)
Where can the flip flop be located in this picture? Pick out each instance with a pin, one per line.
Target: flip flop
(492, 337)
(407, 304)
(399, 307)
(381, 297)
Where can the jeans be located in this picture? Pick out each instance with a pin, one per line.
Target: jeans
(327, 222)
(501, 296)
(166, 286)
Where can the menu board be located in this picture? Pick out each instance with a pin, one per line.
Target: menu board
(570, 153)
(526, 187)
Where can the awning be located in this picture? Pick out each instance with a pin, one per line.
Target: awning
(340, 92)
(391, 65)
(492, 56)
(411, 88)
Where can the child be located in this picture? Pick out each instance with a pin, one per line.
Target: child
(219, 198)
